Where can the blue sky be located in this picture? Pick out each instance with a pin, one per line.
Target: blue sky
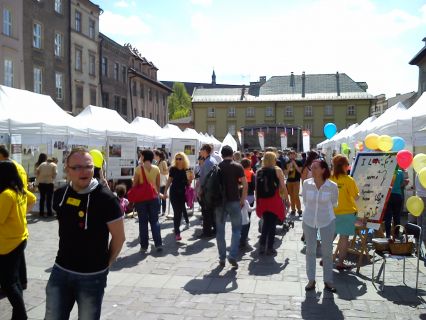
(370, 41)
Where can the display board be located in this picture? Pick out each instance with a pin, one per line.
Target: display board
(374, 174)
(188, 146)
(121, 157)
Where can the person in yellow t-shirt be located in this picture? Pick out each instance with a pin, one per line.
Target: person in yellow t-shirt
(14, 203)
(346, 209)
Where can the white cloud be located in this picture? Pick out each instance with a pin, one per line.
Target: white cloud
(113, 24)
(122, 4)
(205, 3)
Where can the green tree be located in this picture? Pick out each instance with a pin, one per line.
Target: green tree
(179, 102)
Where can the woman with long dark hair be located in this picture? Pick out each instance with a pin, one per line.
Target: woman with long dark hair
(14, 202)
(319, 197)
(306, 170)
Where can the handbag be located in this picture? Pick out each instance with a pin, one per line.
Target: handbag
(142, 192)
(189, 196)
(403, 248)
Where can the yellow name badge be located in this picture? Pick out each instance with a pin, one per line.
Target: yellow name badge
(73, 202)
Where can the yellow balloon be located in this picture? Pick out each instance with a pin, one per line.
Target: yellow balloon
(385, 143)
(371, 141)
(419, 162)
(422, 177)
(415, 205)
(98, 158)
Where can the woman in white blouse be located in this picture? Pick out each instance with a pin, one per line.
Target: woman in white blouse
(319, 197)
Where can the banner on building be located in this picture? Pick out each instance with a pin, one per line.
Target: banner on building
(283, 138)
(261, 136)
(306, 140)
(239, 136)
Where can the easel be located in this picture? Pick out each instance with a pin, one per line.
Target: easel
(361, 235)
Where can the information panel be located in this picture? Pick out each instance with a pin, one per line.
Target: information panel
(121, 155)
(188, 146)
(373, 174)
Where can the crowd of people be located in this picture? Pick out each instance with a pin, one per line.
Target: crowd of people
(90, 215)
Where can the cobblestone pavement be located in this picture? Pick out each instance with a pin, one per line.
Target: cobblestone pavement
(185, 282)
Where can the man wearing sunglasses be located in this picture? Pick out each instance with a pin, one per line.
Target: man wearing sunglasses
(88, 213)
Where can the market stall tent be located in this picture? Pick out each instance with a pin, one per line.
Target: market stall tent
(147, 128)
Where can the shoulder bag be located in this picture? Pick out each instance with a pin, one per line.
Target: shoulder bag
(142, 192)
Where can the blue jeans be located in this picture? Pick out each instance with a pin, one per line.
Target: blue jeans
(148, 211)
(64, 288)
(233, 209)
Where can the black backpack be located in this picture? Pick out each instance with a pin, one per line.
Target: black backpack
(213, 189)
(267, 183)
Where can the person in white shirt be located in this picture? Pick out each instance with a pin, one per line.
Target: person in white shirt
(319, 197)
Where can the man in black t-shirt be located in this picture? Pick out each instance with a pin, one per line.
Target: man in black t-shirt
(294, 170)
(232, 174)
(88, 213)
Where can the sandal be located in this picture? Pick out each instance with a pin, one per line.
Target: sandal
(310, 286)
(329, 288)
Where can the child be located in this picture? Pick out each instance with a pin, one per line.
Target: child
(121, 190)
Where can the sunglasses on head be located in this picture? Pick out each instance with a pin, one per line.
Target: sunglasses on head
(179, 159)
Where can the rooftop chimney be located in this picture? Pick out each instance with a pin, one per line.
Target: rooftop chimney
(243, 91)
(338, 83)
(292, 80)
(303, 84)
(262, 79)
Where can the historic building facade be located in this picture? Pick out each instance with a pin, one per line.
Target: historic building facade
(46, 49)
(308, 101)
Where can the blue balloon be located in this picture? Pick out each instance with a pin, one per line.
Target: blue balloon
(330, 130)
(398, 144)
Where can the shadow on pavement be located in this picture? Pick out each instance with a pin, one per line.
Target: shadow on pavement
(128, 261)
(266, 265)
(403, 295)
(311, 308)
(353, 287)
(213, 282)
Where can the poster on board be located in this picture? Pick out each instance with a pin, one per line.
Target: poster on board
(188, 146)
(121, 157)
(374, 174)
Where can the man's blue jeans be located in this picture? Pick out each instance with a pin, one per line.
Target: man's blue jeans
(148, 211)
(64, 288)
(233, 209)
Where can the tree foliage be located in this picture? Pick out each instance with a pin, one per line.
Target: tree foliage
(179, 102)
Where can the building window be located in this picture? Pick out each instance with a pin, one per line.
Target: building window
(124, 73)
(231, 112)
(8, 73)
(58, 44)
(79, 97)
(92, 65)
(38, 80)
(93, 96)
(141, 91)
(105, 100)
(116, 71)
(308, 126)
(328, 110)
(134, 91)
(124, 106)
(211, 129)
(250, 112)
(104, 67)
(78, 62)
(231, 129)
(210, 112)
(269, 112)
(77, 21)
(92, 28)
(308, 111)
(37, 35)
(149, 94)
(58, 6)
(289, 111)
(351, 111)
(59, 83)
(117, 101)
(7, 22)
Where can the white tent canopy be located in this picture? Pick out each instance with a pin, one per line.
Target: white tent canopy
(147, 128)
(230, 141)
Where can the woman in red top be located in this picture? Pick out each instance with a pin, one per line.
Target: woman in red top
(270, 208)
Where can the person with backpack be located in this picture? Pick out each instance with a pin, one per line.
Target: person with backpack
(209, 227)
(269, 204)
(231, 176)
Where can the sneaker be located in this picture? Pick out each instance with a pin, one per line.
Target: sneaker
(299, 212)
(233, 262)
(293, 213)
(222, 263)
(178, 237)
